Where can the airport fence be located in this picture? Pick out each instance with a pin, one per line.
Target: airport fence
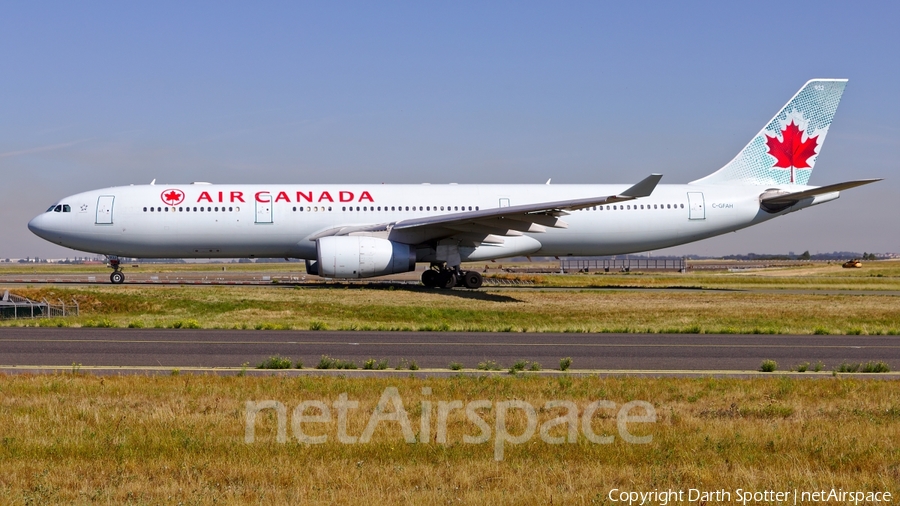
(622, 265)
(14, 307)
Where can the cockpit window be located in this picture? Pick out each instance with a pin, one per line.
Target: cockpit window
(66, 208)
(58, 209)
(51, 208)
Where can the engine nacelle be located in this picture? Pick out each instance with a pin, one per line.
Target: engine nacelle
(353, 256)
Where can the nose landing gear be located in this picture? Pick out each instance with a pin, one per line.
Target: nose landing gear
(117, 277)
(441, 276)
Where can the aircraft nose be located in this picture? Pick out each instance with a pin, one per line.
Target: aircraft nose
(38, 225)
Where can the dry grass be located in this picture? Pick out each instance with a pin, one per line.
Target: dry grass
(413, 308)
(149, 440)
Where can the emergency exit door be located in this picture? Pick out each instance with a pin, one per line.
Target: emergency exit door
(697, 206)
(105, 210)
(264, 208)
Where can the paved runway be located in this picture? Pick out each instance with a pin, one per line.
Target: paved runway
(230, 348)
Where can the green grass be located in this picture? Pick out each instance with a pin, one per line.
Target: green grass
(868, 367)
(488, 365)
(768, 366)
(327, 362)
(275, 362)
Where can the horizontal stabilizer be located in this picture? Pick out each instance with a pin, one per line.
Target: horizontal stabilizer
(779, 199)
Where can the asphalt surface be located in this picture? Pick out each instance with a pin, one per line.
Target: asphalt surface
(183, 348)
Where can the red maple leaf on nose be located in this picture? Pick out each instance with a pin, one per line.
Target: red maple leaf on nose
(793, 151)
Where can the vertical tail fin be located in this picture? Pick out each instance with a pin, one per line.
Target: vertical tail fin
(785, 150)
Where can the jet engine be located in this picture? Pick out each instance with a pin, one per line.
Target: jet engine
(362, 257)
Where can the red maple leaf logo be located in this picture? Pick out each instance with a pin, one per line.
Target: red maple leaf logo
(792, 152)
(172, 197)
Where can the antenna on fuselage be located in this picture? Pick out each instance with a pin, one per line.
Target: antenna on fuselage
(153, 182)
(548, 181)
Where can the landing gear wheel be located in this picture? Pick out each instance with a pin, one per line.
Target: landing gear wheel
(117, 278)
(430, 278)
(447, 279)
(472, 280)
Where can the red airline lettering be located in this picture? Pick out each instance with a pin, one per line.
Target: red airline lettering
(309, 196)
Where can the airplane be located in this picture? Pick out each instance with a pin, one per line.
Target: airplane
(351, 231)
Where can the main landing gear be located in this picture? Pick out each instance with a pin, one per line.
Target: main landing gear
(440, 276)
(117, 277)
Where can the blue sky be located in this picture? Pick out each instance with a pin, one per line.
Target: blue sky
(100, 94)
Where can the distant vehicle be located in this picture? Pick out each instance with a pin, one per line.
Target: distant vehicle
(362, 231)
(852, 264)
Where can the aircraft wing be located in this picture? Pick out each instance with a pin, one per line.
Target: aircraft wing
(781, 199)
(481, 225)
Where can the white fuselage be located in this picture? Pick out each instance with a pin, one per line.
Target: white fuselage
(230, 221)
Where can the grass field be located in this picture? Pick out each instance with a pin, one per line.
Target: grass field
(72, 438)
(414, 308)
